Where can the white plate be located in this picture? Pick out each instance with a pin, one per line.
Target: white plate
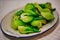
(6, 25)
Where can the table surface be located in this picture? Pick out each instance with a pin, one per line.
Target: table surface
(8, 5)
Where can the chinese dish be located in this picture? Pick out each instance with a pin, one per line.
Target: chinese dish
(32, 17)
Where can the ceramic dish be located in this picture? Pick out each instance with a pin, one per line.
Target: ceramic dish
(6, 25)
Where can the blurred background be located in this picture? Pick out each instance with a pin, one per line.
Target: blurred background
(8, 5)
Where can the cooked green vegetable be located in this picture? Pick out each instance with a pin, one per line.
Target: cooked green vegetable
(46, 5)
(36, 30)
(39, 18)
(25, 29)
(18, 13)
(26, 18)
(47, 15)
(42, 5)
(16, 22)
(29, 6)
(52, 10)
(43, 21)
(32, 18)
(38, 7)
(36, 23)
(46, 10)
(30, 12)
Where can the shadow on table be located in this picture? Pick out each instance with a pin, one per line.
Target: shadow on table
(37, 36)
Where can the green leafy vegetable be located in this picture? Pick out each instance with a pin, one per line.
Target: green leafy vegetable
(47, 15)
(48, 5)
(29, 6)
(32, 18)
(26, 18)
(18, 13)
(16, 22)
(25, 29)
(36, 23)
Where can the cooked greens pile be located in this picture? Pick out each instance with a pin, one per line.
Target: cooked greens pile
(32, 17)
